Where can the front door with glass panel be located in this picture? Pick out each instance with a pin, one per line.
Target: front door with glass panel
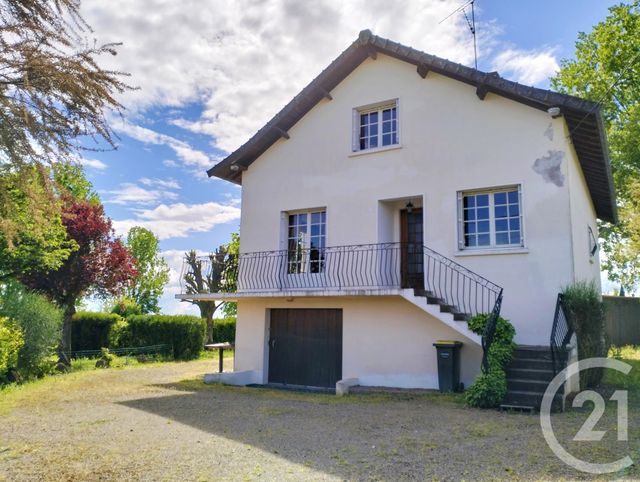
(411, 252)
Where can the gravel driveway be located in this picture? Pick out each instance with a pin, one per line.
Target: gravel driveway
(161, 423)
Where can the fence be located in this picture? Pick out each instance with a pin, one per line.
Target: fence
(131, 351)
(622, 320)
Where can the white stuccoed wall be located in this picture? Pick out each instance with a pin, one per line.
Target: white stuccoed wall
(451, 141)
(386, 341)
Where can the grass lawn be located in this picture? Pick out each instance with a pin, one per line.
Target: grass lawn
(158, 421)
(630, 355)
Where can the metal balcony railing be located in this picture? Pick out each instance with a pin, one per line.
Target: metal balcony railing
(381, 266)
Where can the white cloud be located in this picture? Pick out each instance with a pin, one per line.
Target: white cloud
(170, 163)
(164, 183)
(130, 193)
(93, 164)
(179, 220)
(527, 66)
(242, 60)
(188, 155)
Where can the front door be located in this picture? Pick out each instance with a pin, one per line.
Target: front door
(305, 347)
(411, 253)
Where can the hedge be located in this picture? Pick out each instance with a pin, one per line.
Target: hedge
(39, 321)
(92, 330)
(224, 330)
(11, 340)
(184, 333)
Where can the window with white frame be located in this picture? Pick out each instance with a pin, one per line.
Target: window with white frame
(306, 241)
(376, 126)
(490, 218)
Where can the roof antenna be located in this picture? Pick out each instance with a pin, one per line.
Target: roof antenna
(471, 23)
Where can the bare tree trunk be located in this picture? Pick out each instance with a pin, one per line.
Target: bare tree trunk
(64, 350)
(207, 310)
(210, 327)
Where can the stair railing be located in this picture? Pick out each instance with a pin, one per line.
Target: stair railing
(561, 333)
(490, 331)
(458, 286)
(467, 292)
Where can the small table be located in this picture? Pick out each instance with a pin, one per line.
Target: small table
(221, 348)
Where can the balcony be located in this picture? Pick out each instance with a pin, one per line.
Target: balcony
(355, 270)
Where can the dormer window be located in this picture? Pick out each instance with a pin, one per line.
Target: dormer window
(376, 126)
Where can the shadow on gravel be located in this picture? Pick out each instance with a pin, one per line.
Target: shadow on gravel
(388, 436)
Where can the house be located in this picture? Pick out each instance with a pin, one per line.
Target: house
(394, 197)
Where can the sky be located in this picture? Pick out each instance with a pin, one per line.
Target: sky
(209, 73)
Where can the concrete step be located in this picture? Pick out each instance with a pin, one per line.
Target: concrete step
(524, 385)
(421, 292)
(530, 374)
(539, 352)
(516, 408)
(434, 300)
(531, 363)
(458, 316)
(530, 399)
(445, 308)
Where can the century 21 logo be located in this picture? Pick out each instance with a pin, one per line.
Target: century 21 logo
(587, 432)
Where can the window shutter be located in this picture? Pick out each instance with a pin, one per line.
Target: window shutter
(398, 130)
(520, 210)
(460, 223)
(354, 130)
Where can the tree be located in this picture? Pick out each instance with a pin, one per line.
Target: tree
(71, 182)
(153, 272)
(211, 274)
(101, 265)
(32, 235)
(606, 69)
(53, 95)
(230, 308)
(52, 90)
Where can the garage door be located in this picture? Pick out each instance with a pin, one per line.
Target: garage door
(305, 347)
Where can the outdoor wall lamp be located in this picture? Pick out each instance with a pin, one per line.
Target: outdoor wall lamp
(409, 207)
(554, 112)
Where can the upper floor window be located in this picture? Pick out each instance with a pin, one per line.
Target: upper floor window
(490, 218)
(306, 241)
(376, 126)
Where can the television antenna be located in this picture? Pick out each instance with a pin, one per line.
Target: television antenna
(470, 22)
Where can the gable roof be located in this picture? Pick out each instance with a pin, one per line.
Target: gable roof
(583, 117)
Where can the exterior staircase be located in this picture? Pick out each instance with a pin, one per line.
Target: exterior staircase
(528, 375)
(441, 310)
(432, 299)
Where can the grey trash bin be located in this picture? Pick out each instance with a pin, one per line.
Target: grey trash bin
(448, 353)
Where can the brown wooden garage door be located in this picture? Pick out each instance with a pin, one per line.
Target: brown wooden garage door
(305, 347)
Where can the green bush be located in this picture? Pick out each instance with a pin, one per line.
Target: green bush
(11, 340)
(185, 334)
(224, 330)
(105, 359)
(126, 307)
(91, 330)
(490, 387)
(585, 310)
(119, 335)
(40, 322)
(488, 390)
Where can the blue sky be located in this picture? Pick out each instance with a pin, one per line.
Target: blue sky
(210, 73)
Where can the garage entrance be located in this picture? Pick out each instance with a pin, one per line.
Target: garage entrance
(305, 347)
